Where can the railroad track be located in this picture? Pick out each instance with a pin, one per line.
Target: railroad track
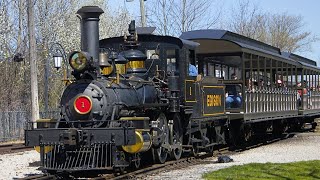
(39, 177)
(12, 148)
(189, 161)
(156, 168)
(170, 165)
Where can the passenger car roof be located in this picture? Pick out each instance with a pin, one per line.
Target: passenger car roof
(225, 41)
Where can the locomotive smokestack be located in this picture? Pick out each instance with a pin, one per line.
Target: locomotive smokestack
(90, 30)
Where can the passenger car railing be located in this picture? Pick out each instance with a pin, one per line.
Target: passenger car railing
(311, 100)
(269, 99)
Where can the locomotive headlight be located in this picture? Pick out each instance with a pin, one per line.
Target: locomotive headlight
(79, 61)
(82, 104)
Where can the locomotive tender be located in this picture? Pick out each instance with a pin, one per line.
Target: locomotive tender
(133, 98)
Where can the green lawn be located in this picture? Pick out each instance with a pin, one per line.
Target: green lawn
(303, 170)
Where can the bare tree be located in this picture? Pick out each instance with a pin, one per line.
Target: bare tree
(161, 18)
(286, 32)
(280, 30)
(246, 19)
(55, 21)
(171, 17)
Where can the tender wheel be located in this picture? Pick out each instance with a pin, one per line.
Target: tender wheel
(160, 154)
(211, 134)
(210, 150)
(247, 133)
(280, 127)
(177, 137)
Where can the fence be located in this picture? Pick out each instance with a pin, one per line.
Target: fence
(12, 123)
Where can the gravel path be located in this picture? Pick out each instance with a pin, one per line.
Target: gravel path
(16, 165)
(302, 147)
(299, 148)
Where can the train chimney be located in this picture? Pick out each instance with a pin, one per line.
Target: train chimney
(89, 17)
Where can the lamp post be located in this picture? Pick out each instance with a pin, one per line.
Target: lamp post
(59, 55)
(142, 12)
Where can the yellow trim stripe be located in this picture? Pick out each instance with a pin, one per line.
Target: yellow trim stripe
(185, 90)
(213, 114)
(213, 86)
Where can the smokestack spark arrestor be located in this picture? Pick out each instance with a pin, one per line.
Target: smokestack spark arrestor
(90, 30)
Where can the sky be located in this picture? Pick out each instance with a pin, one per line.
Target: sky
(308, 9)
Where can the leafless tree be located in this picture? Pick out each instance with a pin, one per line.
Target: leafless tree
(55, 21)
(286, 32)
(280, 30)
(171, 17)
(160, 16)
(247, 19)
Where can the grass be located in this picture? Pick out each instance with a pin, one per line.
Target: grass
(304, 170)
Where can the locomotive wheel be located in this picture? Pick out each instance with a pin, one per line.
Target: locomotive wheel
(177, 137)
(195, 150)
(137, 162)
(160, 154)
(118, 170)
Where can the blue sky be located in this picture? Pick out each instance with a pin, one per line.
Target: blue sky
(308, 9)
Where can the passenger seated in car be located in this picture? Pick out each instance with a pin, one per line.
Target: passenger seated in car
(193, 70)
(301, 92)
(234, 76)
(233, 98)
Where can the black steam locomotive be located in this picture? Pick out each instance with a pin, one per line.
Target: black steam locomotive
(137, 98)
(118, 112)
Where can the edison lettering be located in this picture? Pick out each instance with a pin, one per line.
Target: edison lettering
(213, 100)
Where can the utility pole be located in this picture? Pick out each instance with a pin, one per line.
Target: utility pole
(33, 64)
(142, 12)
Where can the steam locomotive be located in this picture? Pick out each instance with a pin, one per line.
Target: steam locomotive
(133, 98)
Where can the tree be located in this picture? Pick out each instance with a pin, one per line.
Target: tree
(13, 37)
(55, 21)
(286, 32)
(283, 31)
(172, 17)
(246, 19)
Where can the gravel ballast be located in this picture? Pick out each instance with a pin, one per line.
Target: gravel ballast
(17, 165)
(302, 147)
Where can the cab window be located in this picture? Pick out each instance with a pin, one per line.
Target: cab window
(171, 60)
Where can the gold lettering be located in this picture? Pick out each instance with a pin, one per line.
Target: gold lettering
(214, 100)
(82, 104)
